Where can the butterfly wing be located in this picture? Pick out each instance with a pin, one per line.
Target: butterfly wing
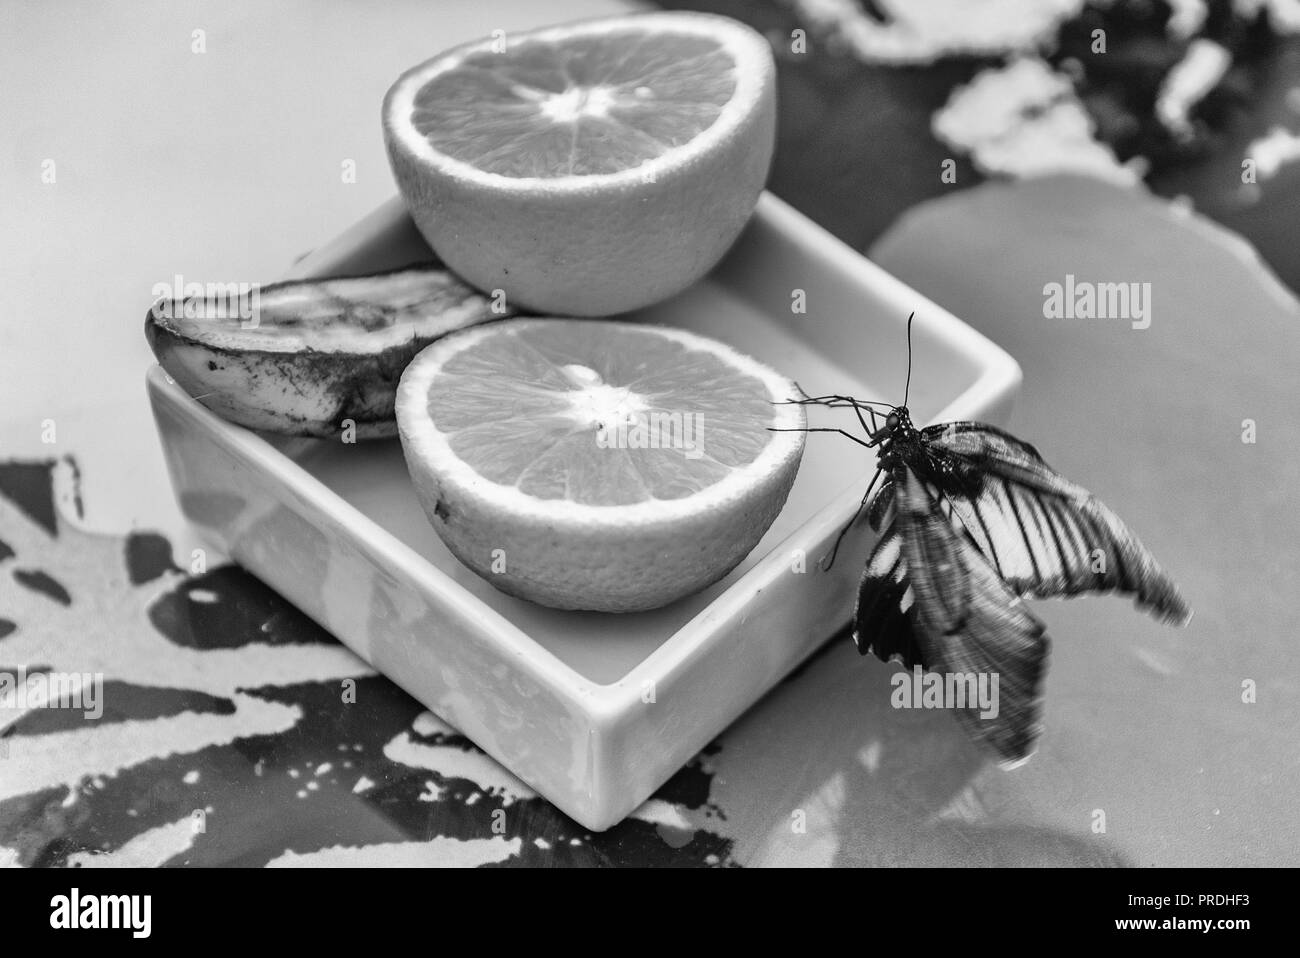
(882, 505)
(1044, 535)
(881, 620)
(962, 617)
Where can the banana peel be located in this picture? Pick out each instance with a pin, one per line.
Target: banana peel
(314, 357)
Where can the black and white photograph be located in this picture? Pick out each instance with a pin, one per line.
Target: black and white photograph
(831, 434)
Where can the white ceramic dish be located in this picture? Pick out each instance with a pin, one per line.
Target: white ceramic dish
(593, 711)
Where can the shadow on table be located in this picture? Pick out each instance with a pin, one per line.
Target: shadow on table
(826, 771)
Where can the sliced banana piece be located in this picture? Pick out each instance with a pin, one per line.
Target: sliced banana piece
(310, 358)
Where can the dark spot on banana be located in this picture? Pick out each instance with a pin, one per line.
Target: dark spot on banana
(352, 338)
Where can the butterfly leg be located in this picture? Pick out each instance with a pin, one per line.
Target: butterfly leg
(841, 402)
(846, 435)
(829, 561)
(869, 431)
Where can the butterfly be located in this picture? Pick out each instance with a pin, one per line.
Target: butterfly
(972, 521)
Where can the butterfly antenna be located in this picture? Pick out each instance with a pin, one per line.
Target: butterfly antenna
(908, 387)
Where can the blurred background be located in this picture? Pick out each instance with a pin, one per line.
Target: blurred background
(1171, 97)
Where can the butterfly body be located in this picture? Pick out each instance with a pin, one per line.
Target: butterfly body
(903, 446)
